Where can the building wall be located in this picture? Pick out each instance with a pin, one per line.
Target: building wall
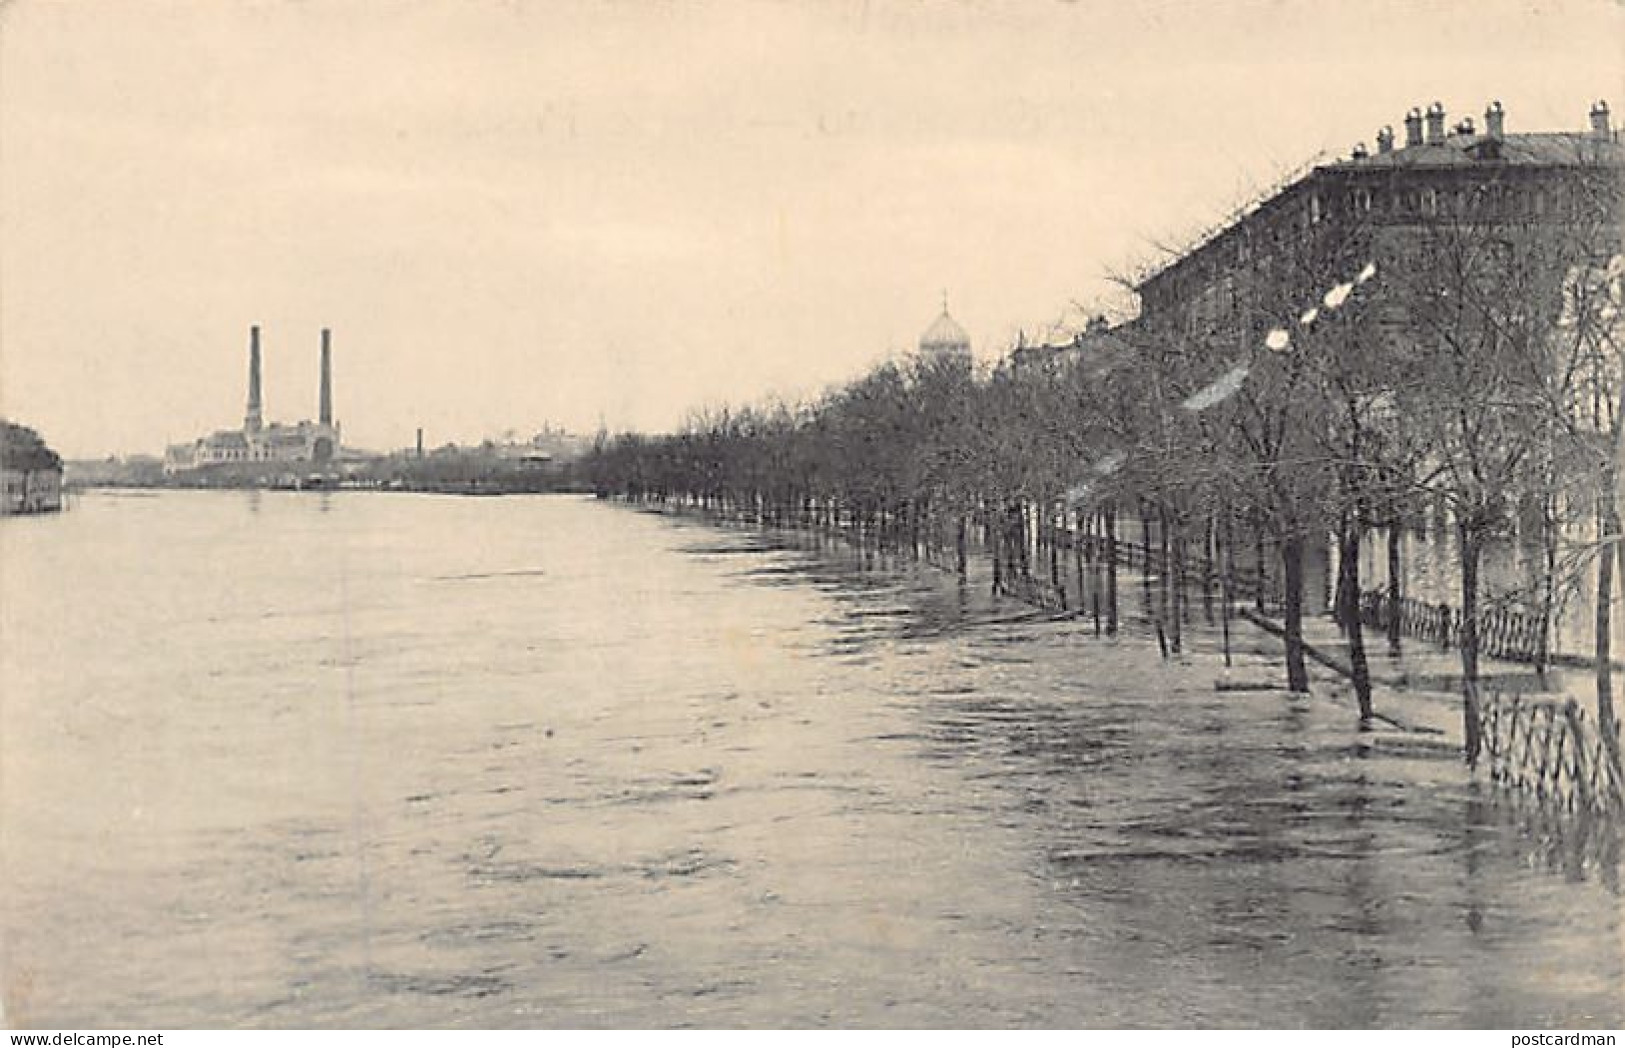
(30, 491)
(304, 442)
(1271, 260)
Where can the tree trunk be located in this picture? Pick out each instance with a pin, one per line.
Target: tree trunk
(1470, 544)
(1182, 595)
(1018, 525)
(1548, 592)
(1111, 571)
(995, 536)
(1145, 537)
(1079, 542)
(1210, 558)
(1258, 568)
(959, 547)
(1341, 600)
(1053, 530)
(1297, 674)
(1348, 565)
(1608, 534)
(1395, 594)
(1225, 578)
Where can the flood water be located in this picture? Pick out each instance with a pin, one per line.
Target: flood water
(390, 760)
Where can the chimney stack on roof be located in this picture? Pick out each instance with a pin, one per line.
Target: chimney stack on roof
(1385, 139)
(1435, 123)
(1464, 126)
(1599, 120)
(1413, 128)
(1360, 152)
(1494, 120)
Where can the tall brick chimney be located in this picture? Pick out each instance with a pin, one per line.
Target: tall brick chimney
(252, 419)
(1385, 139)
(326, 415)
(1599, 120)
(1494, 120)
(1413, 127)
(1435, 123)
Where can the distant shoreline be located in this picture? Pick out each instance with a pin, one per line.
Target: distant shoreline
(445, 489)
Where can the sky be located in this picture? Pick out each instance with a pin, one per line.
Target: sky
(518, 212)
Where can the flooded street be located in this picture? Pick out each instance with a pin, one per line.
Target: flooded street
(275, 759)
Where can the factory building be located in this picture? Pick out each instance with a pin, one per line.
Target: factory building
(257, 443)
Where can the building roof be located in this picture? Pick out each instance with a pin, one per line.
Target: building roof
(944, 335)
(1461, 149)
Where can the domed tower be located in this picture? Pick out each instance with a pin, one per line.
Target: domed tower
(945, 337)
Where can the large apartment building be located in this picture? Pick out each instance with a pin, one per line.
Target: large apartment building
(1375, 204)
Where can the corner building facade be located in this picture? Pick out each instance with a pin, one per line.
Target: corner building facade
(1259, 271)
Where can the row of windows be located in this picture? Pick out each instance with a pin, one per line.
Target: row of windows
(249, 455)
(1497, 201)
(1494, 200)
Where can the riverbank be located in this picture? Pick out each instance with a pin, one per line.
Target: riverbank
(1417, 685)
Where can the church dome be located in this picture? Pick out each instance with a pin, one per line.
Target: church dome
(945, 336)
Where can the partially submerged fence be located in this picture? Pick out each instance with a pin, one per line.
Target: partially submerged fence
(1503, 633)
(1194, 568)
(1552, 751)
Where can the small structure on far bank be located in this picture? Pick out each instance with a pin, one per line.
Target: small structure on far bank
(31, 471)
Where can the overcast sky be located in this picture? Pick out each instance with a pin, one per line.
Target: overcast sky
(517, 212)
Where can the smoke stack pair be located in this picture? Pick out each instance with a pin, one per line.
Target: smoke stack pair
(253, 418)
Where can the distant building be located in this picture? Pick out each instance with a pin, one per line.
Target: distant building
(945, 339)
(1094, 340)
(30, 472)
(113, 471)
(257, 444)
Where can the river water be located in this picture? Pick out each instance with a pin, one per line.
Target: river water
(360, 759)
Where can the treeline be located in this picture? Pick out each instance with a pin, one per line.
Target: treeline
(21, 448)
(1346, 382)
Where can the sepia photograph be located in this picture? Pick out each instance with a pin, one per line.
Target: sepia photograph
(838, 515)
